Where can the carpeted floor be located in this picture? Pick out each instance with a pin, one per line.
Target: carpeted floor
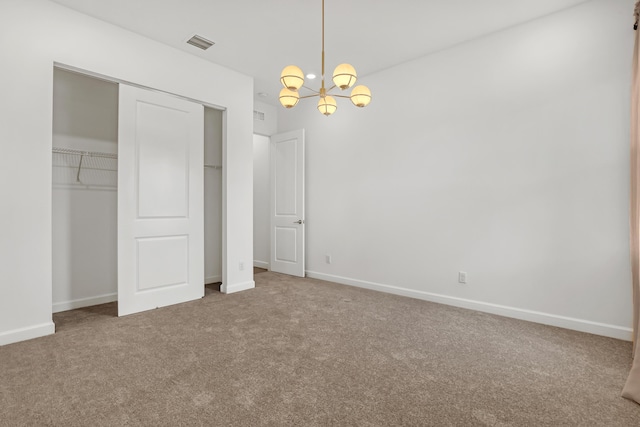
(303, 352)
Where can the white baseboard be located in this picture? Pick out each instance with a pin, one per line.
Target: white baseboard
(230, 289)
(212, 279)
(27, 333)
(261, 264)
(84, 302)
(581, 325)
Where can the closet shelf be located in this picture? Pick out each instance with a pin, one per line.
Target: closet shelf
(87, 168)
(84, 153)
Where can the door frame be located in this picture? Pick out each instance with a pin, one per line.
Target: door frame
(118, 81)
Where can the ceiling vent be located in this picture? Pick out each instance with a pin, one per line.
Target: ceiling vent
(200, 42)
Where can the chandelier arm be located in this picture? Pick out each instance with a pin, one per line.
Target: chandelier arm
(312, 90)
(310, 96)
(342, 96)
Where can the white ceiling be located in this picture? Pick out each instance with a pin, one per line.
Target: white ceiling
(260, 37)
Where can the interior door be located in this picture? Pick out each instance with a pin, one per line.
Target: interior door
(160, 200)
(287, 203)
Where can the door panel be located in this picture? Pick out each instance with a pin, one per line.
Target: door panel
(287, 203)
(286, 238)
(162, 261)
(285, 163)
(160, 200)
(163, 162)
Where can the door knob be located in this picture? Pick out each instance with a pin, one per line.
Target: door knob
(298, 222)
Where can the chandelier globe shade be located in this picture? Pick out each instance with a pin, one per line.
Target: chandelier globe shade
(289, 98)
(292, 77)
(327, 105)
(344, 76)
(360, 96)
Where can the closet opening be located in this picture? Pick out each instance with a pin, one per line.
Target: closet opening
(85, 196)
(212, 199)
(84, 193)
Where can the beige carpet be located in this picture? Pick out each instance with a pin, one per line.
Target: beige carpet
(305, 352)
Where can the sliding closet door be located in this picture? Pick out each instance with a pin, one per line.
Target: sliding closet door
(160, 200)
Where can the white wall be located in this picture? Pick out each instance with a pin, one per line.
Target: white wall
(268, 123)
(33, 35)
(505, 157)
(212, 196)
(261, 199)
(84, 219)
(262, 130)
(84, 248)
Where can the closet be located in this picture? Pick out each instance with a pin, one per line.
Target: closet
(212, 195)
(85, 191)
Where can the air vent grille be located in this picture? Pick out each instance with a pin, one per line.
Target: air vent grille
(200, 42)
(258, 115)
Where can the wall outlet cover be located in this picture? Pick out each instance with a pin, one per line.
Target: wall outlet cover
(462, 277)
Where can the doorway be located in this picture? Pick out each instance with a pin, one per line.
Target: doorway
(279, 203)
(261, 239)
(85, 193)
(213, 198)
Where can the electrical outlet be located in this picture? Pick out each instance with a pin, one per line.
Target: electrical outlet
(462, 277)
(327, 259)
(241, 266)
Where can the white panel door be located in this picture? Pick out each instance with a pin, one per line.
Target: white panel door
(287, 203)
(160, 200)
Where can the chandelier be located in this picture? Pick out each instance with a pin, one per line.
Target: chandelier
(344, 76)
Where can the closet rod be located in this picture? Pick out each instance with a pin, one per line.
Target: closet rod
(87, 168)
(213, 166)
